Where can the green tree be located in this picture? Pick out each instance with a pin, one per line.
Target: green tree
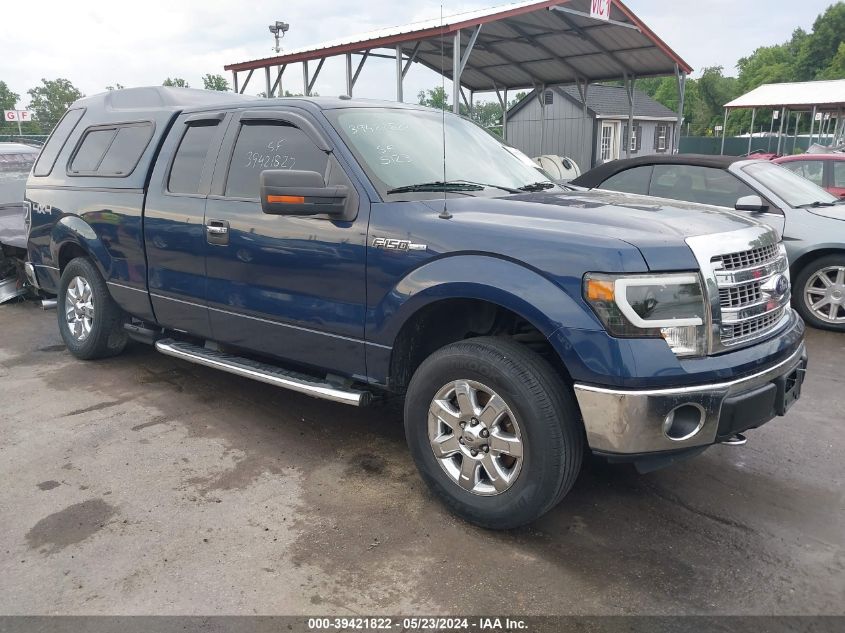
(215, 82)
(818, 50)
(836, 68)
(50, 100)
(8, 99)
(175, 82)
(434, 98)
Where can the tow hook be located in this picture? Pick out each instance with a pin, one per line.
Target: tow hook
(735, 440)
(49, 304)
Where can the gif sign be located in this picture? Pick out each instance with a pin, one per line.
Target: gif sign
(600, 9)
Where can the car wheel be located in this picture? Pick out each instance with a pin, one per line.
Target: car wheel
(90, 322)
(494, 431)
(819, 292)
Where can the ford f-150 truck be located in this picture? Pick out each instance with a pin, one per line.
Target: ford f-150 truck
(352, 249)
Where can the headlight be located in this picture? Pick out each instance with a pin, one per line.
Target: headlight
(669, 306)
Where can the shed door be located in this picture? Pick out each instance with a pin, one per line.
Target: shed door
(609, 140)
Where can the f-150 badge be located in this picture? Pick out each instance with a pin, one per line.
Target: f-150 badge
(397, 245)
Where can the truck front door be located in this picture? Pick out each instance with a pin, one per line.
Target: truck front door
(285, 286)
(174, 232)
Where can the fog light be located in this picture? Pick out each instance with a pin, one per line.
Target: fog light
(684, 341)
(683, 422)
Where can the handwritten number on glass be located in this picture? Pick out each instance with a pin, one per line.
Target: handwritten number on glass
(273, 159)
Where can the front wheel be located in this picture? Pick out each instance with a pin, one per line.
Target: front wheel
(494, 431)
(90, 322)
(819, 293)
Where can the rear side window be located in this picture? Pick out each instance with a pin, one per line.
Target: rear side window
(839, 173)
(812, 170)
(126, 149)
(630, 181)
(186, 172)
(270, 146)
(111, 151)
(57, 141)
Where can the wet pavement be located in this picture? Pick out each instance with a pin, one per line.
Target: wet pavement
(143, 484)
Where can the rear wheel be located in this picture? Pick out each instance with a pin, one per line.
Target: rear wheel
(820, 292)
(494, 431)
(90, 322)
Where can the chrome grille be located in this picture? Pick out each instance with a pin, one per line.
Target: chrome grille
(747, 259)
(740, 296)
(735, 333)
(748, 298)
(744, 273)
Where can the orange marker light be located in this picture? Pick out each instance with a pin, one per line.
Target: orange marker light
(600, 290)
(286, 199)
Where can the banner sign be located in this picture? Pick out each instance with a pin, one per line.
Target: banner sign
(600, 9)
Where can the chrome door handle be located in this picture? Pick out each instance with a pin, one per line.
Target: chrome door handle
(217, 230)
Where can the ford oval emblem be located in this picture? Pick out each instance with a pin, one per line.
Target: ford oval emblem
(782, 286)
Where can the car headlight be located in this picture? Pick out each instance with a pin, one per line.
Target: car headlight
(668, 306)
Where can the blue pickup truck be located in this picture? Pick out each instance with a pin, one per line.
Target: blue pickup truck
(356, 250)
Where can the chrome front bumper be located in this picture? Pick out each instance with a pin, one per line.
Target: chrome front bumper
(633, 422)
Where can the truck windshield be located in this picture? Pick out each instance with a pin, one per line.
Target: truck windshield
(402, 152)
(795, 190)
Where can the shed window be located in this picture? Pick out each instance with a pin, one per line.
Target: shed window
(661, 137)
(548, 97)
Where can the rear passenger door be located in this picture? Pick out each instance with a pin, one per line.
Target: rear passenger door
(291, 287)
(174, 228)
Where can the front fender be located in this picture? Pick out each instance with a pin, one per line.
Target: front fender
(500, 281)
(72, 229)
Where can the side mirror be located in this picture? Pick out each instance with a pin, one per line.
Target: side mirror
(751, 203)
(290, 192)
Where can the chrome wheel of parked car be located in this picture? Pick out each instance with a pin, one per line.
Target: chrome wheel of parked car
(824, 294)
(475, 437)
(79, 308)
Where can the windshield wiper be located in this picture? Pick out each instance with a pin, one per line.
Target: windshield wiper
(437, 185)
(538, 186)
(816, 204)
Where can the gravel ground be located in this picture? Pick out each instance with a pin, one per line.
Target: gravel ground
(143, 484)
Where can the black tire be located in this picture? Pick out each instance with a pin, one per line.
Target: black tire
(549, 419)
(107, 336)
(799, 300)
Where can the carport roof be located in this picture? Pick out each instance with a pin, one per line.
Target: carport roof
(828, 95)
(520, 45)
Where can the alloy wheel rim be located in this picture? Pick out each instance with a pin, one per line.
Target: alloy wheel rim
(79, 308)
(824, 294)
(475, 437)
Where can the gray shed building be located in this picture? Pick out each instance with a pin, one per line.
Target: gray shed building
(557, 122)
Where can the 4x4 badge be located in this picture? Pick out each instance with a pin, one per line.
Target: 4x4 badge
(397, 245)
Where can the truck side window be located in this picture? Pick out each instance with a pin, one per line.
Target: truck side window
(57, 141)
(263, 146)
(126, 149)
(91, 150)
(186, 172)
(111, 151)
(630, 181)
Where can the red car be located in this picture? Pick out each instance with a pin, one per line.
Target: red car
(825, 170)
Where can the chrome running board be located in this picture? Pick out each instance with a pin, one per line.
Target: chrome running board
(262, 372)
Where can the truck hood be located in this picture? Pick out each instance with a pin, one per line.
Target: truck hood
(656, 226)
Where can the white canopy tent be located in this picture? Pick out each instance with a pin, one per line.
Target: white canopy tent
(817, 97)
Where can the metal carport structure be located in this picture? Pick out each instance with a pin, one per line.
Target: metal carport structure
(827, 97)
(524, 45)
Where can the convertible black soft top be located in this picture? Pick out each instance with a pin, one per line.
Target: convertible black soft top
(598, 175)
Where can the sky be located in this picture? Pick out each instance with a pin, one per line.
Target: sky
(96, 43)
